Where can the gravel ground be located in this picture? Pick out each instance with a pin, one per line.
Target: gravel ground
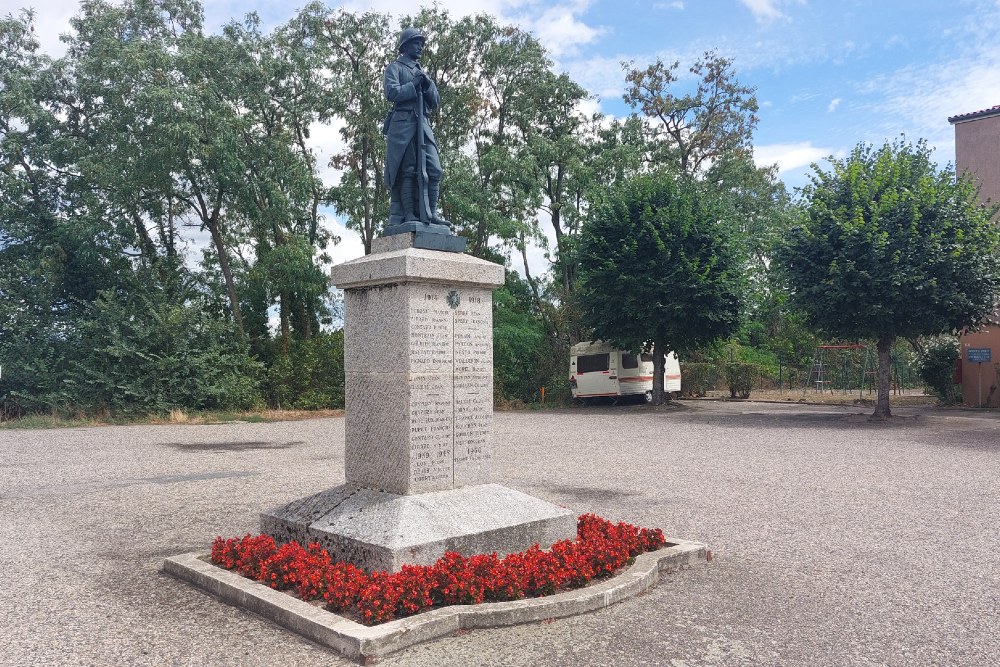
(836, 541)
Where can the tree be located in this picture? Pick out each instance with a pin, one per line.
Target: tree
(658, 268)
(55, 251)
(146, 127)
(694, 130)
(522, 352)
(762, 211)
(358, 47)
(486, 96)
(891, 246)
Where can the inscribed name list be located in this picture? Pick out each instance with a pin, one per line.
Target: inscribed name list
(473, 388)
(451, 393)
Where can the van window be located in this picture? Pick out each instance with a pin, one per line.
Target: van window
(646, 356)
(592, 363)
(629, 360)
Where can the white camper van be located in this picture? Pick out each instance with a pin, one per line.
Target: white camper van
(599, 370)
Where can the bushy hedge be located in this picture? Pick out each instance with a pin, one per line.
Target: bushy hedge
(741, 378)
(136, 354)
(310, 376)
(697, 378)
(936, 367)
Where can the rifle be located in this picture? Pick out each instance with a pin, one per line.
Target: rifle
(424, 201)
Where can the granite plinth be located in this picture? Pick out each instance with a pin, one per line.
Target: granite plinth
(418, 358)
(418, 366)
(405, 264)
(418, 387)
(383, 531)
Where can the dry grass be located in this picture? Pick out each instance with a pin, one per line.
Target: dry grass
(907, 397)
(176, 416)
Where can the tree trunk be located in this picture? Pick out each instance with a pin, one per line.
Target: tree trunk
(884, 367)
(227, 273)
(659, 363)
(550, 326)
(283, 314)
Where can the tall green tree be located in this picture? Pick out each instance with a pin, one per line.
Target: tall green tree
(486, 96)
(109, 156)
(56, 252)
(692, 129)
(762, 212)
(357, 48)
(554, 151)
(271, 81)
(892, 246)
(658, 269)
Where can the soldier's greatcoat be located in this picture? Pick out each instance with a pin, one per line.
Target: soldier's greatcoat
(401, 124)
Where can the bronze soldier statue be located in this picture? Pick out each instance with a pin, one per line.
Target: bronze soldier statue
(412, 164)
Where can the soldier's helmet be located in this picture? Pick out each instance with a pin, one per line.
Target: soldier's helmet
(409, 35)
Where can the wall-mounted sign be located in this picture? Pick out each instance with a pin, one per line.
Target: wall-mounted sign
(978, 355)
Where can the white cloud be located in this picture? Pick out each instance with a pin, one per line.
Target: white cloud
(325, 141)
(601, 75)
(51, 20)
(766, 11)
(793, 157)
(560, 30)
(558, 27)
(676, 4)
(918, 100)
(832, 106)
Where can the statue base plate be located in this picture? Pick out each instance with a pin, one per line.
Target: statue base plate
(428, 236)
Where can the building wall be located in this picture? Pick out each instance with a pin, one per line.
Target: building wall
(977, 150)
(981, 382)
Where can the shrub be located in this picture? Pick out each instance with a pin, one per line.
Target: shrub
(936, 367)
(698, 377)
(741, 378)
(142, 353)
(311, 375)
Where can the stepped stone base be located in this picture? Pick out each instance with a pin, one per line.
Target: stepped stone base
(376, 530)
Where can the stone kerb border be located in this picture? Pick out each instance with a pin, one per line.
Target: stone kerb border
(366, 644)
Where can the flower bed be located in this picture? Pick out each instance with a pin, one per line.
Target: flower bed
(600, 549)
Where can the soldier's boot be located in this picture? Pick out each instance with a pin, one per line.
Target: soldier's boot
(408, 199)
(433, 190)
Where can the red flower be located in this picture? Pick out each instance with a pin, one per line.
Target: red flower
(341, 583)
(600, 549)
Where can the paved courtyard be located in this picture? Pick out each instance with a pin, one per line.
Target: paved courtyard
(836, 541)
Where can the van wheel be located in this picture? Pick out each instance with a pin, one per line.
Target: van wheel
(649, 396)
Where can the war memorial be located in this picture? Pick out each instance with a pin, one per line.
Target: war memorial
(419, 475)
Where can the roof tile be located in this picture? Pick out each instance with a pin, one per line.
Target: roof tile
(982, 113)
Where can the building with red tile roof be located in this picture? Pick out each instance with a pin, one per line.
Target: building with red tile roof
(977, 153)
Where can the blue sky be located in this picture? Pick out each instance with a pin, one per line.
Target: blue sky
(828, 73)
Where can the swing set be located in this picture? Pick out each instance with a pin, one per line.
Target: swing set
(834, 366)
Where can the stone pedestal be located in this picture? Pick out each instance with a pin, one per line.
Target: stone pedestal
(418, 357)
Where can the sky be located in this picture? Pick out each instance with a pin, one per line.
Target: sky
(828, 73)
